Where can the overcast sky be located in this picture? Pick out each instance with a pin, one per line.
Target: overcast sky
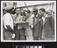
(21, 3)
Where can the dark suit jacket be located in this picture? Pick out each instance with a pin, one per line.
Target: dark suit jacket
(49, 27)
(38, 25)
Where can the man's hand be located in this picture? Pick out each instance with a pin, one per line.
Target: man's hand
(13, 35)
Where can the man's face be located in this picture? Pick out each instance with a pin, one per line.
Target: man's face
(40, 12)
(34, 12)
(4, 11)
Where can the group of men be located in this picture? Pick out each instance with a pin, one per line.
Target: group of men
(20, 24)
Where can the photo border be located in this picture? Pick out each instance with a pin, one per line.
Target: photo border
(23, 40)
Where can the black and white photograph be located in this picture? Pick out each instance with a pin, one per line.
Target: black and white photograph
(28, 21)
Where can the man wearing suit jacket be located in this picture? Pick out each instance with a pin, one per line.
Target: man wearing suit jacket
(48, 25)
(37, 25)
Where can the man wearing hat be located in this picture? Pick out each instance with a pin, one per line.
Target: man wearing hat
(36, 27)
